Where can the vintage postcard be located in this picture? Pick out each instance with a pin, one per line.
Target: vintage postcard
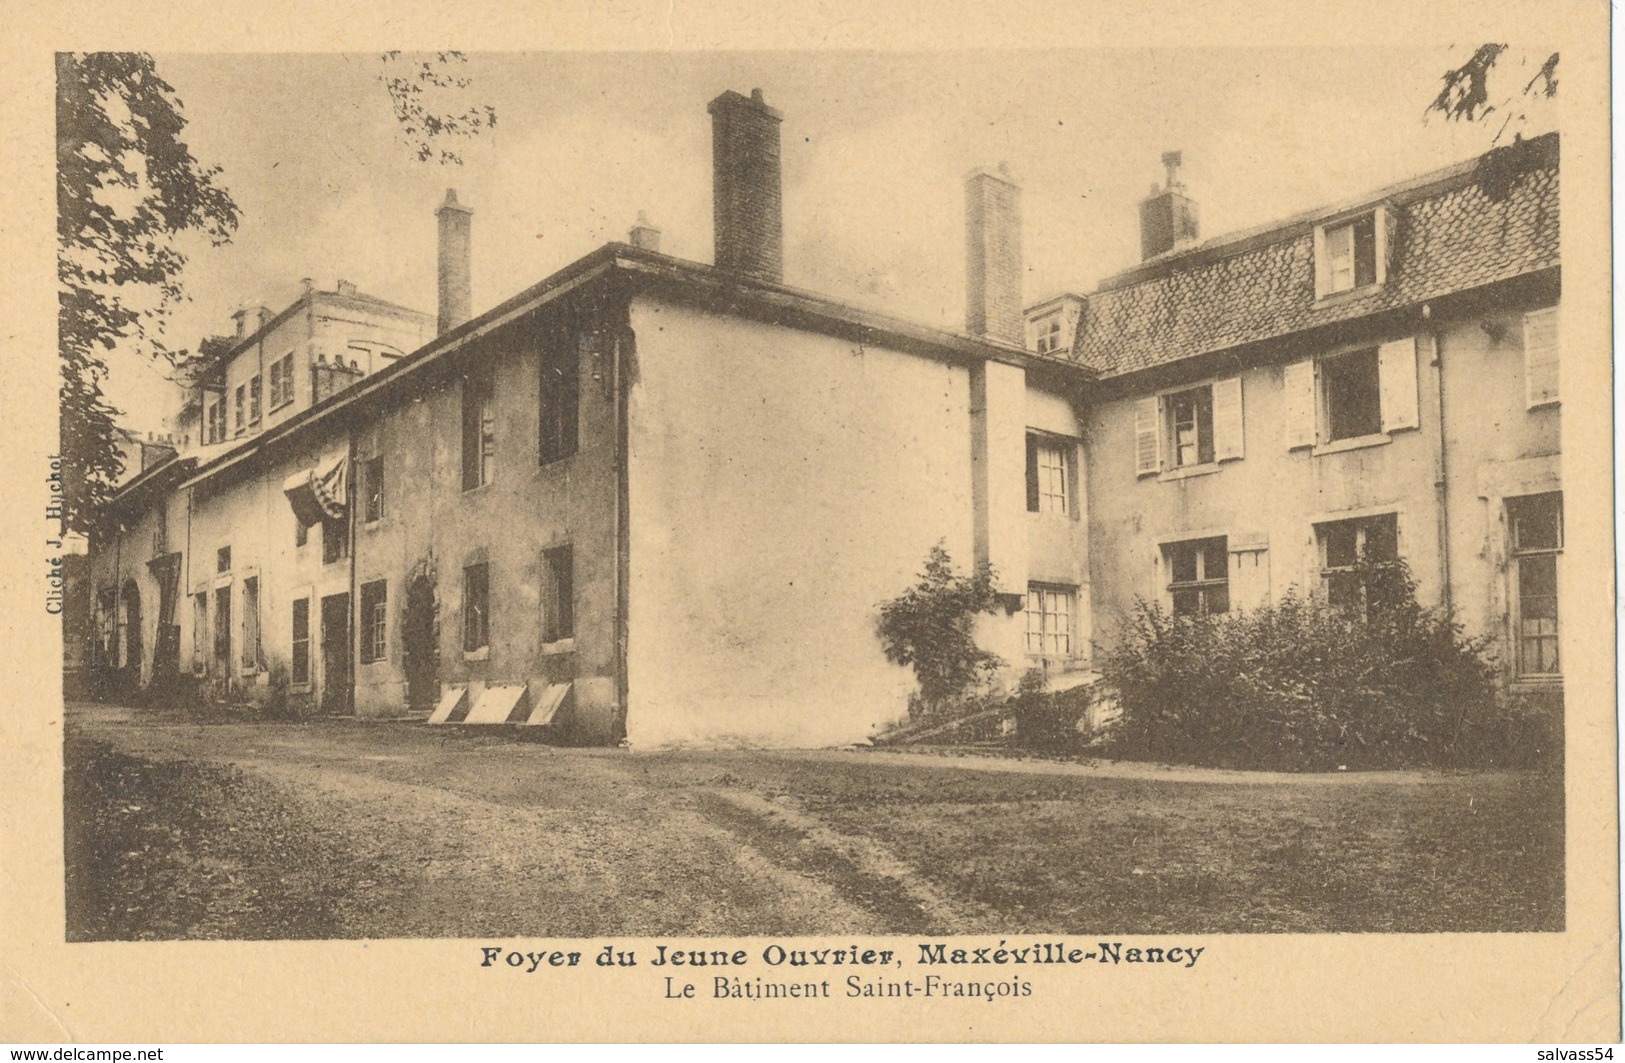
(1094, 531)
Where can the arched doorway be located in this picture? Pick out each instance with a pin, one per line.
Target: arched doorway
(420, 637)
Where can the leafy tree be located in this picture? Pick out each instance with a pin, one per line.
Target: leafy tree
(430, 104)
(929, 627)
(128, 188)
(1466, 93)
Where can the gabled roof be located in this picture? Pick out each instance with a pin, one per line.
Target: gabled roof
(1455, 231)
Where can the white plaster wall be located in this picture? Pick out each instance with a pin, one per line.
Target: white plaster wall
(781, 485)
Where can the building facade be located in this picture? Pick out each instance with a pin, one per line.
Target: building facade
(661, 501)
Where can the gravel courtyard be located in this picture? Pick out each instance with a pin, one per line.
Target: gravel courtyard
(349, 829)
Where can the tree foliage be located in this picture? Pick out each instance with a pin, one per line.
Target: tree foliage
(1468, 95)
(128, 187)
(429, 97)
(929, 627)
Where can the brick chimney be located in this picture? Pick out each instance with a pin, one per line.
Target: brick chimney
(1168, 215)
(644, 235)
(456, 284)
(746, 190)
(993, 257)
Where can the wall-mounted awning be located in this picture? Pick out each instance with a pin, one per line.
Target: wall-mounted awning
(320, 493)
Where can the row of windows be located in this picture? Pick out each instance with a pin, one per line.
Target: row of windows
(246, 402)
(1351, 553)
(1351, 395)
(558, 600)
(558, 405)
(558, 620)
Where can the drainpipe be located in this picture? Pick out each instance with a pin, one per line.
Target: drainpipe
(1441, 479)
(355, 606)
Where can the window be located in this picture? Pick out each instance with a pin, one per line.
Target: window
(1187, 428)
(281, 381)
(222, 559)
(251, 623)
(1540, 362)
(1049, 474)
(476, 607)
(1352, 393)
(558, 621)
(254, 399)
(560, 401)
(374, 621)
(1047, 333)
(1348, 550)
(372, 485)
(214, 424)
(222, 625)
(1198, 576)
(335, 539)
(1537, 541)
(241, 408)
(1352, 253)
(301, 532)
(1049, 620)
(301, 641)
(479, 432)
(200, 630)
(1190, 427)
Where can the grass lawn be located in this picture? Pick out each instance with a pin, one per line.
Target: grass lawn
(335, 829)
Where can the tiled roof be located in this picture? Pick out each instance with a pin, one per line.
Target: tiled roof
(1451, 235)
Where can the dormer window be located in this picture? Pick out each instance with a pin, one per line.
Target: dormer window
(1351, 253)
(1047, 331)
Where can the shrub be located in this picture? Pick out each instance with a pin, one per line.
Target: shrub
(1049, 721)
(929, 628)
(1301, 685)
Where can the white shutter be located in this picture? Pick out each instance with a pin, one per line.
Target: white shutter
(1540, 357)
(1227, 420)
(1249, 576)
(1298, 404)
(1396, 374)
(1147, 438)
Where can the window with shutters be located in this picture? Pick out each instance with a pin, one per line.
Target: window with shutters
(372, 487)
(1348, 551)
(559, 405)
(1351, 398)
(558, 617)
(301, 641)
(1535, 524)
(1351, 394)
(281, 382)
(1192, 429)
(1198, 573)
(1540, 358)
(479, 432)
(374, 621)
(476, 608)
(1351, 253)
(1050, 465)
(254, 398)
(1050, 613)
(1189, 427)
(242, 409)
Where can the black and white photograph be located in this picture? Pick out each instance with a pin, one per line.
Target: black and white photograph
(1110, 497)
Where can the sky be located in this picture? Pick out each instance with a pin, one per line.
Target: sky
(875, 149)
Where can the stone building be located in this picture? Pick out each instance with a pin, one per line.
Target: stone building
(653, 499)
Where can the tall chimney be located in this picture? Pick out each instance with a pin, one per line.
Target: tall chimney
(456, 284)
(993, 257)
(1168, 216)
(746, 191)
(644, 235)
